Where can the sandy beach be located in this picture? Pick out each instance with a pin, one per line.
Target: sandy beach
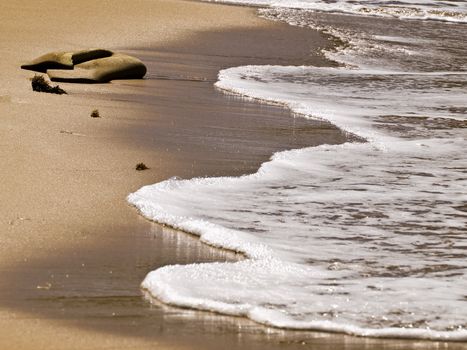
(73, 252)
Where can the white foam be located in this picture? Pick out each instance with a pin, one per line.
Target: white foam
(426, 10)
(352, 238)
(411, 47)
(362, 238)
(259, 289)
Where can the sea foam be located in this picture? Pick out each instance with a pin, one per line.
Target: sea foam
(359, 238)
(438, 10)
(365, 238)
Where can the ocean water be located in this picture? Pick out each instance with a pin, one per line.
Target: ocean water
(364, 238)
(441, 10)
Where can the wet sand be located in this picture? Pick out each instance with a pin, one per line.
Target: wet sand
(73, 253)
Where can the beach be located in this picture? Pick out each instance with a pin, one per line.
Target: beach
(73, 251)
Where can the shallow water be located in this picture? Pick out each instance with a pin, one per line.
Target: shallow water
(447, 10)
(363, 238)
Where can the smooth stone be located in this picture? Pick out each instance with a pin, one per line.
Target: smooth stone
(88, 66)
(53, 60)
(102, 70)
(64, 59)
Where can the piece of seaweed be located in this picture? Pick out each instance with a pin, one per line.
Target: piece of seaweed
(39, 84)
(95, 114)
(141, 166)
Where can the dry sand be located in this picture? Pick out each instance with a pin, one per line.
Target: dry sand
(72, 252)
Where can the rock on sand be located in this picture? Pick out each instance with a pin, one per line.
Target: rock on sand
(88, 66)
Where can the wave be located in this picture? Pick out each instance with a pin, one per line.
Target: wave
(338, 238)
(362, 238)
(448, 11)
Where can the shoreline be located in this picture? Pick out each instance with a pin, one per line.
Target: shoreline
(74, 252)
(102, 247)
